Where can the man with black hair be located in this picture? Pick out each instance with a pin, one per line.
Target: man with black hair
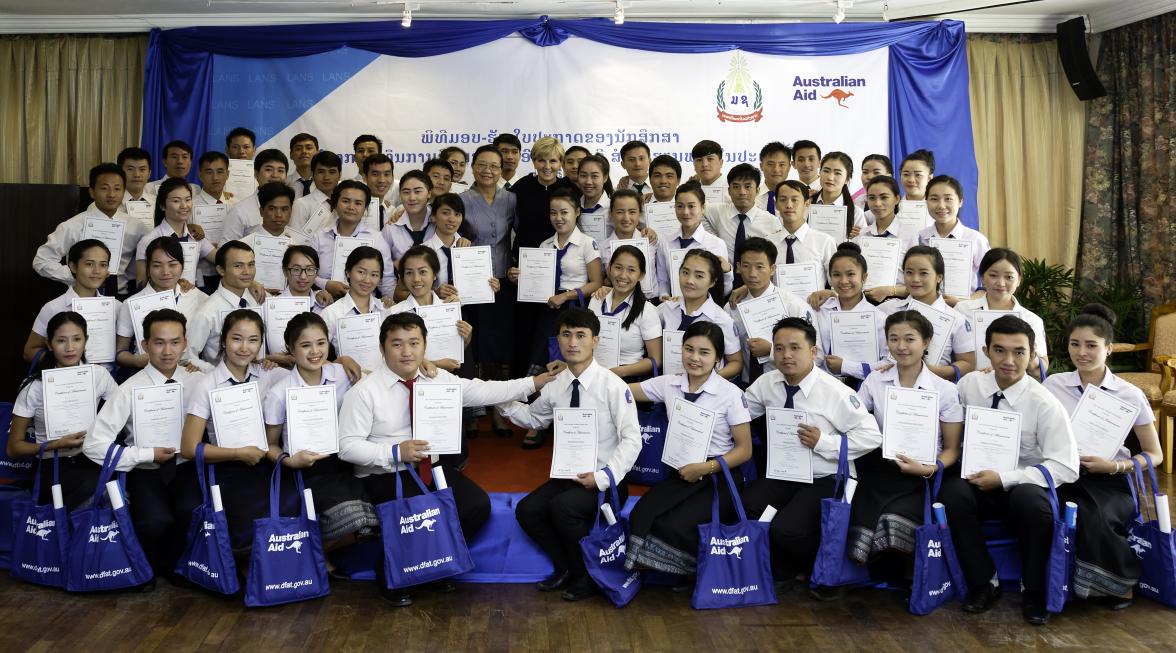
(177, 163)
(240, 143)
(303, 147)
(245, 216)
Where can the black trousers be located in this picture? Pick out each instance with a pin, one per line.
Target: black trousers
(557, 514)
(153, 501)
(473, 504)
(796, 530)
(1025, 508)
(78, 476)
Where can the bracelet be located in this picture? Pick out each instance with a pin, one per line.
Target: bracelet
(932, 473)
(714, 466)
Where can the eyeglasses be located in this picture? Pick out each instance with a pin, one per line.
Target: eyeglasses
(303, 272)
(487, 166)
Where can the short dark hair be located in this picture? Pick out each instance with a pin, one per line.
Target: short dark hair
(163, 192)
(708, 330)
(348, 184)
(796, 185)
(270, 155)
(179, 145)
(692, 187)
(240, 131)
(106, 169)
(133, 154)
(375, 160)
(367, 138)
(578, 318)
(327, 159)
(420, 251)
(915, 319)
(880, 158)
(775, 147)
(163, 315)
(931, 252)
(744, 172)
(850, 251)
(506, 139)
(437, 163)
(420, 176)
(800, 324)
(363, 253)
(666, 161)
(270, 191)
(300, 323)
(453, 201)
(1009, 325)
(482, 149)
(805, 145)
(758, 244)
(402, 321)
(576, 148)
(632, 145)
(225, 248)
(240, 315)
(210, 156)
(305, 250)
(998, 254)
(444, 154)
(169, 245)
(77, 249)
(303, 136)
(706, 148)
(950, 181)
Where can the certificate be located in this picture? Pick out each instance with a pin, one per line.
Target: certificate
(70, 400)
(608, 348)
(236, 416)
(992, 440)
(829, 219)
(158, 415)
(142, 212)
(649, 281)
(371, 216)
(958, 277)
(788, 458)
(760, 315)
(944, 324)
(672, 352)
(800, 279)
(221, 315)
(595, 224)
(312, 420)
(980, 322)
(436, 416)
(110, 231)
(359, 338)
(191, 250)
(472, 269)
(854, 336)
(268, 252)
(141, 307)
(211, 218)
(912, 218)
(444, 341)
(537, 274)
(716, 194)
(574, 449)
(662, 218)
(882, 257)
(676, 258)
(1101, 422)
(101, 315)
(319, 220)
(278, 312)
(241, 182)
(911, 424)
(344, 245)
(688, 435)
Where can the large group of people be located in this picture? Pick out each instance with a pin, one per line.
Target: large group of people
(741, 292)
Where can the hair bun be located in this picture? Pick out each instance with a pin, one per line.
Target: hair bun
(1100, 310)
(849, 246)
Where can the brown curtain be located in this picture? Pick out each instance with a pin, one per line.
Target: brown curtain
(1027, 125)
(1128, 219)
(69, 102)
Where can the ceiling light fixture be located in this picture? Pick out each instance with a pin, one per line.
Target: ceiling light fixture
(839, 12)
(406, 19)
(619, 14)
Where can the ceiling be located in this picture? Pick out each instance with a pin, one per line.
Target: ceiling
(30, 16)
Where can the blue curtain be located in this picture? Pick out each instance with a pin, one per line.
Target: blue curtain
(928, 66)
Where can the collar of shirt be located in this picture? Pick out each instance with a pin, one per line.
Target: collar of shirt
(166, 229)
(389, 379)
(711, 386)
(361, 229)
(577, 238)
(347, 305)
(1109, 382)
(434, 241)
(799, 234)
(982, 303)
(221, 375)
(602, 204)
(709, 308)
(834, 304)
(808, 383)
(209, 199)
(959, 231)
(144, 198)
(233, 300)
(403, 221)
(329, 376)
(259, 230)
(411, 303)
(925, 380)
(316, 195)
(872, 229)
(1011, 394)
(612, 302)
(157, 378)
(563, 381)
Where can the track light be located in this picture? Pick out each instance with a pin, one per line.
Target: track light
(886, 11)
(619, 14)
(839, 12)
(406, 19)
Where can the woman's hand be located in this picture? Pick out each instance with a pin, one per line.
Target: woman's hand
(337, 288)
(71, 441)
(302, 459)
(1097, 465)
(196, 230)
(694, 472)
(249, 455)
(513, 275)
(913, 467)
(447, 292)
(185, 285)
(495, 284)
(351, 367)
(880, 293)
(819, 297)
(601, 293)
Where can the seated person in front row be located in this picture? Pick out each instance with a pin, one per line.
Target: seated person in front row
(562, 510)
(1019, 495)
(376, 416)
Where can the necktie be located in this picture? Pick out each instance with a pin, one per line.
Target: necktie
(233, 381)
(687, 320)
(381, 215)
(771, 203)
(685, 242)
(575, 403)
(448, 264)
(170, 381)
(791, 390)
(242, 303)
(219, 202)
(640, 188)
(789, 257)
(305, 186)
(740, 233)
(418, 237)
(691, 396)
(506, 185)
(425, 467)
(182, 239)
(996, 399)
(560, 252)
(604, 308)
(590, 210)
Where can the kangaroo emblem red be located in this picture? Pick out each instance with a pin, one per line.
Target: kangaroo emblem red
(840, 95)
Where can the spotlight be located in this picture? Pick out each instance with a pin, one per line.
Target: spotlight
(406, 19)
(619, 14)
(839, 12)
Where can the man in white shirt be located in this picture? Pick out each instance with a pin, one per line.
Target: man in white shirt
(739, 219)
(797, 242)
(775, 163)
(1019, 495)
(806, 160)
(236, 266)
(177, 163)
(511, 148)
(635, 157)
(303, 147)
(833, 413)
(245, 216)
(707, 157)
(376, 418)
(312, 213)
(240, 143)
(151, 469)
(107, 182)
(136, 163)
(562, 510)
(379, 175)
(213, 172)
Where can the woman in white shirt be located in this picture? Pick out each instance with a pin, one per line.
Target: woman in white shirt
(639, 339)
(847, 275)
(364, 269)
(888, 503)
(1000, 276)
(173, 213)
(165, 269)
(700, 278)
(836, 171)
(1107, 568)
(664, 523)
(418, 271)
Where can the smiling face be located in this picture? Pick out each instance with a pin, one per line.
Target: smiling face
(872, 168)
(625, 273)
(418, 277)
(379, 179)
(807, 162)
(914, 178)
(176, 162)
(846, 278)
(177, 206)
(447, 221)
(592, 180)
(239, 269)
(270, 171)
(1010, 354)
(457, 161)
(833, 177)
(68, 344)
(302, 152)
(792, 353)
(364, 276)
(300, 274)
(906, 344)
(1001, 281)
(699, 356)
(921, 278)
(571, 165)
(664, 181)
(326, 178)
(625, 214)
(414, 195)
(487, 168)
(943, 203)
(91, 270)
(163, 270)
(1088, 350)
(695, 278)
(351, 206)
(213, 175)
(546, 167)
(563, 214)
(242, 342)
(442, 181)
(882, 201)
(310, 349)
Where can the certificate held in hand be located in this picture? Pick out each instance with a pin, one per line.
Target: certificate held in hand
(662, 218)
(854, 335)
(444, 340)
(788, 458)
(829, 219)
(574, 449)
(236, 416)
(1101, 422)
(992, 440)
(344, 245)
(278, 313)
(472, 269)
(211, 218)
(672, 352)
(688, 434)
(436, 416)
(759, 315)
(158, 415)
(359, 338)
(101, 335)
(537, 274)
(70, 400)
(141, 307)
(311, 420)
(911, 425)
(110, 231)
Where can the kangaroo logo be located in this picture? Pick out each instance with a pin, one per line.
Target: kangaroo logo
(1138, 549)
(840, 96)
(620, 549)
(646, 438)
(110, 536)
(737, 551)
(44, 533)
(297, 546)
(427, 524)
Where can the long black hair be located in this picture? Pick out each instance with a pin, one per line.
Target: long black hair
(45, 360)
(637, 298)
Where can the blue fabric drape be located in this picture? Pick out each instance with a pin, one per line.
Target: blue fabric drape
(928, 79)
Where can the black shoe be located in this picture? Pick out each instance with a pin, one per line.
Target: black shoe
(558, 580)
(579, 589)
(398, 598)
(982, 598)
(443, 586)
(826, 594)
(1033, 608)
(1115, 603)
(533, 441)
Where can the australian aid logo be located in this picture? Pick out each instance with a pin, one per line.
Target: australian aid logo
(829, 89)
(739, 97)
(729, 546)
(421, 521)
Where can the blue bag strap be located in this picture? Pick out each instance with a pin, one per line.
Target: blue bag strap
(1053, 492)
(109, 464)
(301, 492)
(276, 486)
(930, 493)
(654, 361)
(735, 499)
(37, 474)
(611, 496)
(842, 469)
(1135, 495)
(1151, 471)
(200, 470)
(411, 471)
(580, 298)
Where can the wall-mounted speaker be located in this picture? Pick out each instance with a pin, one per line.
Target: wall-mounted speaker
(1076, 60)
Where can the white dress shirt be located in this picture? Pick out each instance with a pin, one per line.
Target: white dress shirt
(117, 416)
(980, 245)
(617, 431)
(649, 281)
(830, 406)
(716, 394)
(30, 404)
(48, 261)
(670, 314)
(810, 246)
(398, 235)
(579, 251)
(435, 243)
(646, 326)
(187, 303)
(311, 213)
(1068, 388)
(273, 404)
(199, 403)
(873, 396)
(852, 368)
(324, 244)
(793, 307)
(204, 329)
(968, 308)
(345, 307)
(243, 217)
(1046, 436)
(722, 220)
(165, 229)
(703, 239)
(960, 341)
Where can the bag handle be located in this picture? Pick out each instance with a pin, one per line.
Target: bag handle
(1053, 492)
(654, 361)
(201, 469)
(37, 474)
(411, 471)
(842, 469)
(611, 495)
(1133, 478)
(113, 454)
(1151, 471)
(930, 494)
(735, 498)
(276, 486)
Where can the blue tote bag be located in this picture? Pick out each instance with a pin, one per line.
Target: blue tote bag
(604, 551)
(40, 534)
(1059, 570)
(938, 576)
(649, 469)
(421, 535)
(13, 469)
(734, 564)
(1155, 548)
(208, 557)
(104, 553)
(287, 562)
(833, 566)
